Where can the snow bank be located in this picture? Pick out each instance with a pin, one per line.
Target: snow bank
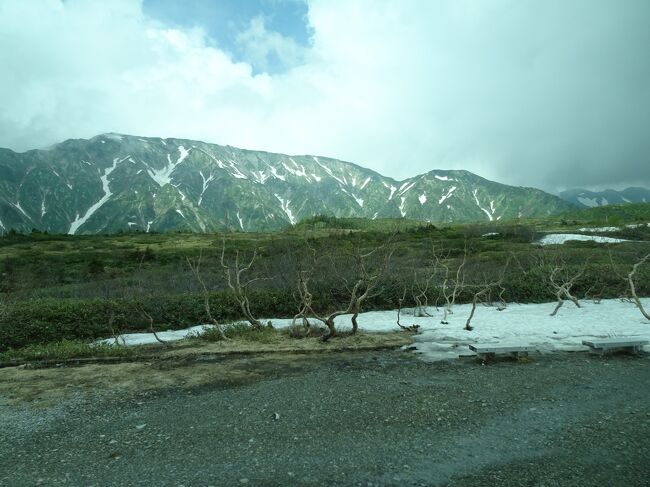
(560, 238)
(518, 323)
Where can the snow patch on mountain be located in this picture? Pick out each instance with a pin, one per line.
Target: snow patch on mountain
(590, 202)
(206, 183)
(163, 176)
(363, 185)
(285, 207)
(236, 173)
(329, 171)
(443, 178)
(297, 170)
(446, 195)
(490, 214)
(401, 206)
(422, 198)
(275, 173)
(74, 226)
(392, 190)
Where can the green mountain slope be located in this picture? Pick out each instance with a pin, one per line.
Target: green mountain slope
(117, 182)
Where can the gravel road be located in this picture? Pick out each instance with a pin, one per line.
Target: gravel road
(365, 419)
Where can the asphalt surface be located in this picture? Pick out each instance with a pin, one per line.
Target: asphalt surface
(366, 419)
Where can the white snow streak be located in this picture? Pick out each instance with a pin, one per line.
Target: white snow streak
(590, 202)
(241, 222)
(405, 189)
(329, 171)
(275, 173)
(163, 176)
(260, 176)
(74, 226)
(298, 171)
(392, 190)
(443, 178)
(447, 195)
(363, 185)
(560, 238)
(20, 208)
(286, 209)
(236, 172)
(489, 215)
(422, 198)
(180, 212)
(206, 183)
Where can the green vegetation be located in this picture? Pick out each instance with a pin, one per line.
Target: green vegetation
(64, 350)
(80, 288)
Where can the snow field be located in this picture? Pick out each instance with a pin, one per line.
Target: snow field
(526, 324)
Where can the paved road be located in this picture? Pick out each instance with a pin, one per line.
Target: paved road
(370, 419)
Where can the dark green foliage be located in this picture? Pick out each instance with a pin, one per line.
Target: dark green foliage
(57, 287)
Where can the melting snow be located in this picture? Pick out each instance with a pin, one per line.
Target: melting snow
(149, 225)
(447, 195)
(392, 190)
(275, 173)
(317, 178)
(206, 182)
(180, 212)
(286, 209)
(236, 172)
(298, 171)
(20, 208)
(241, 222)
(329, 171)
(74, 226)
(443, 178)
(404, 190)
(560, 238)
(563, 332)
(590, 202)
(363, 185)
(260, 176)
(489, 215)
(163, 176)
(422, 198)
(43, 210)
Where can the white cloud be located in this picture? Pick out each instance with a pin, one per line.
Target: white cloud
(269, 50)
(528, 93)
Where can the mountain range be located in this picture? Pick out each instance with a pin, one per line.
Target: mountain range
(115, 182)
(584, 198)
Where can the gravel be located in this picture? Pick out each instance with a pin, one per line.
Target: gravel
(365, 419)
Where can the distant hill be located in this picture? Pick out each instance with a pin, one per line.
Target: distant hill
(114, 182)
(589, 199)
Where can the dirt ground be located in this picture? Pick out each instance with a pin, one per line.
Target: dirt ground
(368, 418)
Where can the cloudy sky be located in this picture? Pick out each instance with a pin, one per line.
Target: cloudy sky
(551, 94)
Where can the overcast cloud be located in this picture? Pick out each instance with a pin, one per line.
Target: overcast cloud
(551, 94)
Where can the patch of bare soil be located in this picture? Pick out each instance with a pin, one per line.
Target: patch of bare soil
(229, 362)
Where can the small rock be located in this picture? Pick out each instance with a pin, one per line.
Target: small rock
(141, 426)
(275, 416)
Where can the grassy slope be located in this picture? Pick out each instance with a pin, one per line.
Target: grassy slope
(56, 286)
